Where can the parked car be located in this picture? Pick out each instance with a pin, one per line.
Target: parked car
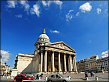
(23, 76)
(1, 75)
(57, 77)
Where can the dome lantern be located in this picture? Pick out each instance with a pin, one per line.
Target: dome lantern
(44, 32)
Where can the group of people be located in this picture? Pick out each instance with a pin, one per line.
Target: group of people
(91, 74)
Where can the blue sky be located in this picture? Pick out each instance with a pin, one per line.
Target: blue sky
(83, 25)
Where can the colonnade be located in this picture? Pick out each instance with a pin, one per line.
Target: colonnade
(44, 56)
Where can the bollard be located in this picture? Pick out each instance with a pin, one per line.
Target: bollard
(7, 80)
(14, 80)
(39, 78)
(96, 78)
(46, 78)
(33, 80)
(87, 78)
(69, 77)
(11, 77)
(7, 77)
(22, 80)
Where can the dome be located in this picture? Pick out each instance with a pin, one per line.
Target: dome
(43, 36)
(42, 40)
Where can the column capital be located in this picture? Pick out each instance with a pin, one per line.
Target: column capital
(52, 50)
(64, 53)
(46, 50)
(59, 52)
(41, 51)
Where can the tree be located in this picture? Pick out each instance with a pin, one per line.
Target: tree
(10, 71)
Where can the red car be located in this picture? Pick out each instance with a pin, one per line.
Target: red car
(23, 76)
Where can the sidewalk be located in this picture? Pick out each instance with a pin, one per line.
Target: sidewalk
(74, 77)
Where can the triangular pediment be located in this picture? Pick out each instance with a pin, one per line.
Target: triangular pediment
(62, 45)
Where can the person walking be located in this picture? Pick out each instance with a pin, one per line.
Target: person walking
(37, 77)
(91, 73)
(86, 74)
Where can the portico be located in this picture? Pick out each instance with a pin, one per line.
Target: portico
(56, 58)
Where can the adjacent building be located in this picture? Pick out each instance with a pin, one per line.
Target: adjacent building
(102, 64)
(3, 67)
(92, 64)
(47, 57)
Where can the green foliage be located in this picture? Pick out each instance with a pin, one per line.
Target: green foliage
(15, 68)
(10, 71)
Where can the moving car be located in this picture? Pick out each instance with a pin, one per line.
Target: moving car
(57, 77)
(23, 76)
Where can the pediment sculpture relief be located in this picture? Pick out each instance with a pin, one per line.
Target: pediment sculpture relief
(61, 46)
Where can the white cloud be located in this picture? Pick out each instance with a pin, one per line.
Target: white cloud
(58, 3)
(55, 31)
(69, 16)
(106, 10)
(47, 3)
(70, 11)
(35, 10)
(104, 54)
(77, 14)
(85, 7)
(11, 4)
(25, 4)
(19, 15)
(98, 10)
(101, 5)
(5, 55)
(90, 41)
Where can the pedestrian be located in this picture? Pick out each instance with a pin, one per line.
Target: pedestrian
(86, 74)
(97, 71)
(37, 77)
(91, 73)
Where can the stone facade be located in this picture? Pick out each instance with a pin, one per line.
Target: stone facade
(3, 67)
(102, 64)
(88, 64)
(47, 57)
(93, 64)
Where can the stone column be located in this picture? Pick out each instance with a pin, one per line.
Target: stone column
(53, 61)
(73, 63)
(65, 62)
(68, 63)
(41, 61)
(59, 63)
(45, 62)
(70, 66)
